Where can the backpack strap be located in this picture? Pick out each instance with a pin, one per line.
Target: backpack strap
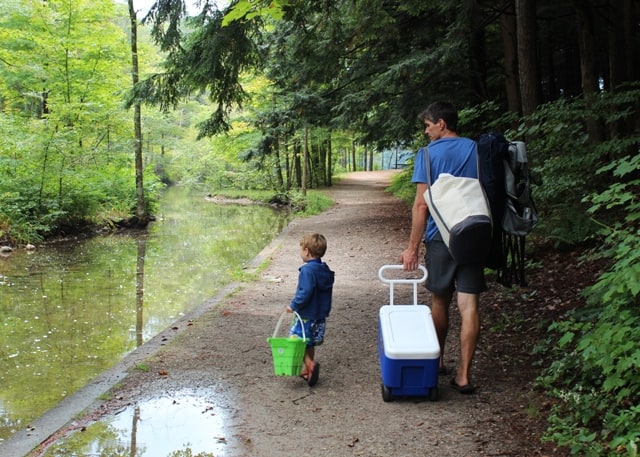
(426, 159)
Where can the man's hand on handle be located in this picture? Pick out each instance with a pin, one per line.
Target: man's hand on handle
(409, 259)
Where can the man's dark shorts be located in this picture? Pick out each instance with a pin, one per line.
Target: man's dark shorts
(445, 276)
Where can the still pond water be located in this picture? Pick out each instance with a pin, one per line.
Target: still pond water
(70, 311)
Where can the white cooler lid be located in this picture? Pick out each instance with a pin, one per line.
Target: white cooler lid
(408, 332)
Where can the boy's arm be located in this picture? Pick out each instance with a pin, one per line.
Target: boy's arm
(304, 291)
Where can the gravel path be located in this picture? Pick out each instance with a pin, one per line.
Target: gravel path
(221, 353)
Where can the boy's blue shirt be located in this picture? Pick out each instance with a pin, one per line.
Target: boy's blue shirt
(315, 288)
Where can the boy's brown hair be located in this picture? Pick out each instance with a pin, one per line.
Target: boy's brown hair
(315, 243)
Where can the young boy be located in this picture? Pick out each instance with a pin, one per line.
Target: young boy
(312, 301)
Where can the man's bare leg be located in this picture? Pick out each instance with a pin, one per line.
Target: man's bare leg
(440, 314)
(469, 334)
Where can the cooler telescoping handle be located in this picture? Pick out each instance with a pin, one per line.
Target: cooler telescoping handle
(392, 282)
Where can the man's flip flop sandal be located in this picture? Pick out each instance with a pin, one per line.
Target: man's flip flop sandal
(466, 389)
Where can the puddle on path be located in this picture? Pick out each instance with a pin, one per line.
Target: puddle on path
(183, 425)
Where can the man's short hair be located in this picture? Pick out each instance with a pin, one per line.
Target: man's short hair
(441, 110)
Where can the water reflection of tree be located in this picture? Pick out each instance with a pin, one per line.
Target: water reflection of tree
(134, 431)
(100, 440)
(142, 252)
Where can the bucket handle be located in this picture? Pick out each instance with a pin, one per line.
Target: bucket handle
(284, 313)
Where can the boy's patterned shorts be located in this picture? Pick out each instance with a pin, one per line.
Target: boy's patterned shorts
(314, 330)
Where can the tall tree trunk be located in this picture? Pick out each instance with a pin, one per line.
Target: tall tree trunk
(322, 161)
(617, 45)
(329, 160)
(624, 64)
(548, 75)
(630, 21)
(297, 166)
(586, 44)
(353, 156)
(305, 159)
(287, 167)
(477, 51)
(142, 215)
(633, 63)
(618, 66)
(279, 178)
(312, 164)
(585, 16)
(527, 55)
(510, 45)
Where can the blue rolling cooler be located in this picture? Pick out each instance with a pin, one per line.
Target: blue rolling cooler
(408, 345)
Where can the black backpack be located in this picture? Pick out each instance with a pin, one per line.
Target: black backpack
(504, 175)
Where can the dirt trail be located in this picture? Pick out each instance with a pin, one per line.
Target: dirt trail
(222, 353)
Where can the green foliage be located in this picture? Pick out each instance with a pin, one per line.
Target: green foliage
(402, 187)
(596, 375)
(246, 9)
(16, 222)
(203, 58)
(564, 162)
(486, 117)
(596, 380)
(66, 160)
(315, 202)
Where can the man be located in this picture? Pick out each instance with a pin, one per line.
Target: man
(448, 153)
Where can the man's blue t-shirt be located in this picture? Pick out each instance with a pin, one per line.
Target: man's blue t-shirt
(456, 156)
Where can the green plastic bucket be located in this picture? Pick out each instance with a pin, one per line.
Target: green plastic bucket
(287, 352)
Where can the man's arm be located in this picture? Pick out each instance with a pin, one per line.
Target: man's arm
(419, 214)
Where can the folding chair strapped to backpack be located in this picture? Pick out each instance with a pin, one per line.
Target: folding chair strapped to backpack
(504, 174)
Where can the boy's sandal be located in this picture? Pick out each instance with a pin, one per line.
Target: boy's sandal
(315, 374)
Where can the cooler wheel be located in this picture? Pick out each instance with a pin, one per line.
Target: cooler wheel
(386, 393)
(433, 394)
